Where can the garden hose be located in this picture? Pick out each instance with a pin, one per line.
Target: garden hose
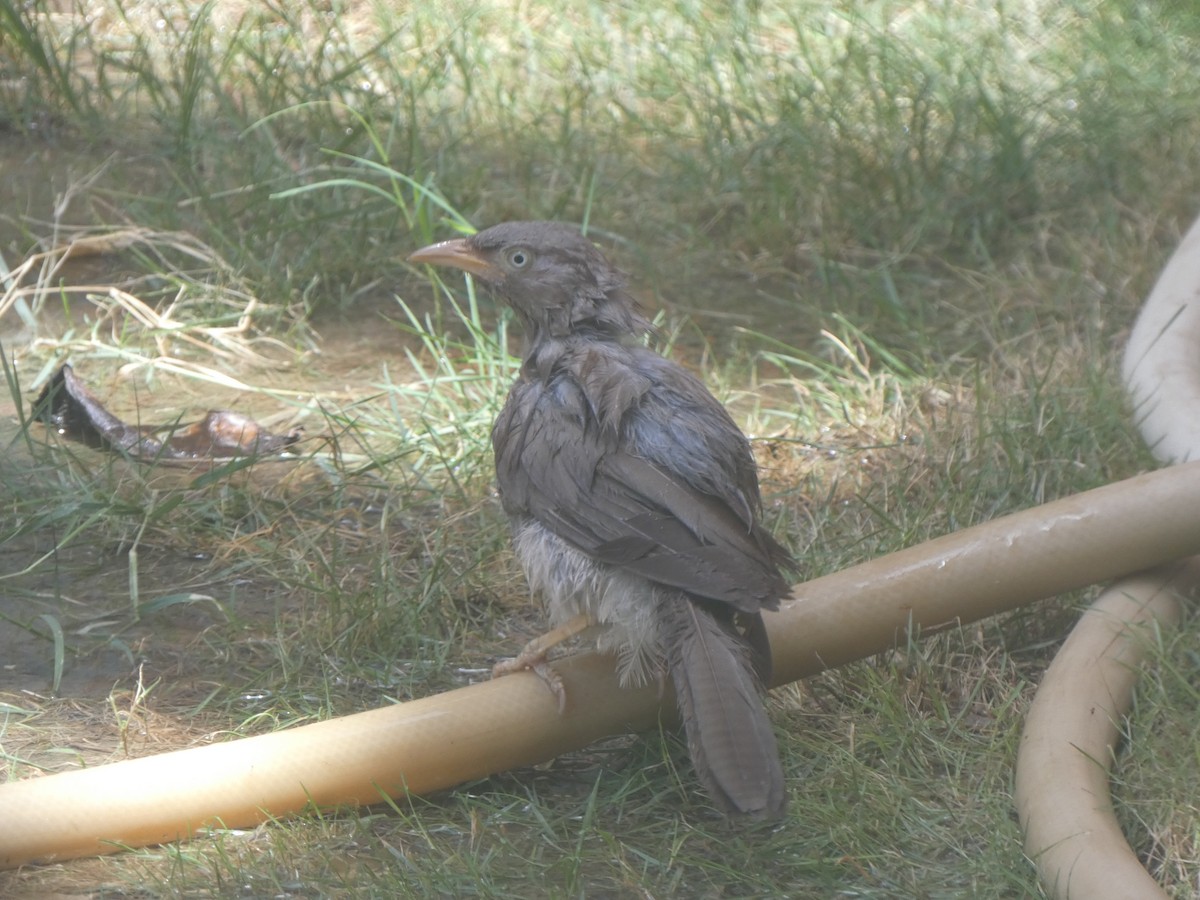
(1072, 729)
(1071, 732)
(440, 741)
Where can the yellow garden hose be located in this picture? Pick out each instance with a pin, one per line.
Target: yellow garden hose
(440, 741)
(1162, 359)
(1071, 730)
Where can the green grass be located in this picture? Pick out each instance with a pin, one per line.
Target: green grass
(903, 241)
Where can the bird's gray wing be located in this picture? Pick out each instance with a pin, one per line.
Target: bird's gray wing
(557, 465)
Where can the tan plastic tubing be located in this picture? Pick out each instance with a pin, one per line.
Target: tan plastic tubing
(1162, 359)
(437, 742)
(1071, 732)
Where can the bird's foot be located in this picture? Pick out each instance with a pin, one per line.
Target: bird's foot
(533, 657)
(536, 663)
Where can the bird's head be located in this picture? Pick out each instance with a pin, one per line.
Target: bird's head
(553, 277)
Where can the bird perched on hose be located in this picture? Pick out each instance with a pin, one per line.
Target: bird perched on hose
(634, 502)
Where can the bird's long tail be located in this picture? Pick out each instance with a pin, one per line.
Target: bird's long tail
(729, 736)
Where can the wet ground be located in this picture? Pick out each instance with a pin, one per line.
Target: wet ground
(81, 617)
(59, 587)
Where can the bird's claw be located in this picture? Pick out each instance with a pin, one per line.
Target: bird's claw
(538, 665)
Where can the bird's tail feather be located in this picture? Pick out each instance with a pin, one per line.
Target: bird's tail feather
(729, 736)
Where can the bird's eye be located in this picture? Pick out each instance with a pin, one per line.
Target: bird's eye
(519, 257)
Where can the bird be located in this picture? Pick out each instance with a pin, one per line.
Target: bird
(634, 503)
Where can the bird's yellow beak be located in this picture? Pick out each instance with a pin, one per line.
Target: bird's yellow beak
(459, 254)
